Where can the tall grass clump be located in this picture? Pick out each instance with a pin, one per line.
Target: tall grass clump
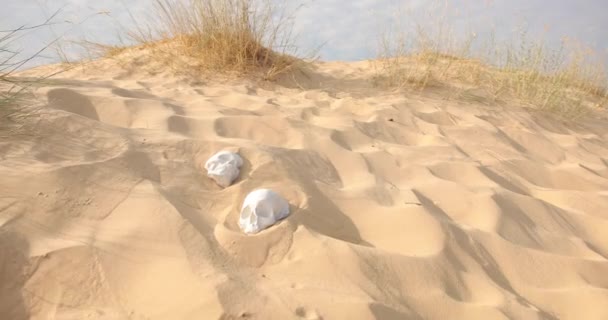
(220, 35)
(14, 100)
(11, 89)
(565, 79)
(412, 54)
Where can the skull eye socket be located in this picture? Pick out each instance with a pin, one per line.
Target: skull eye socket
(263, 210)
(247, 213)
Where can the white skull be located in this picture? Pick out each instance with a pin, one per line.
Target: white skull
(261, 209)
(223, 167)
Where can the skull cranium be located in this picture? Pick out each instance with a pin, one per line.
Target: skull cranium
(261, 209)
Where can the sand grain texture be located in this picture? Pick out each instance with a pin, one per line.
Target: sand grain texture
(404, 206)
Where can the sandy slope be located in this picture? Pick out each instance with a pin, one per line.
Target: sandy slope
(404, 206)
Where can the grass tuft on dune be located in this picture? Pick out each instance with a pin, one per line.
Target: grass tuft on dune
(12, 89)
(15, 94)
(565, 79)
(228, 36)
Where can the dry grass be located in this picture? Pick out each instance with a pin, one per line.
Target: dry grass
(11, 89)
(565, 80)
(241, 36)
(15, 103)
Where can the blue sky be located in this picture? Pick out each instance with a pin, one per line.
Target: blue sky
(347, 30)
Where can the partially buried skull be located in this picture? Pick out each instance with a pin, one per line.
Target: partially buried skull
(223, 167)
(261, 209)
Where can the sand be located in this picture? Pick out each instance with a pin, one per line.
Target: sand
(404, 205)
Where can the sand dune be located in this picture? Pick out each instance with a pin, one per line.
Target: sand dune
(404, 206)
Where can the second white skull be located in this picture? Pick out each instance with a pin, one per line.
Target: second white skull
(261, 209)
(223, 167)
